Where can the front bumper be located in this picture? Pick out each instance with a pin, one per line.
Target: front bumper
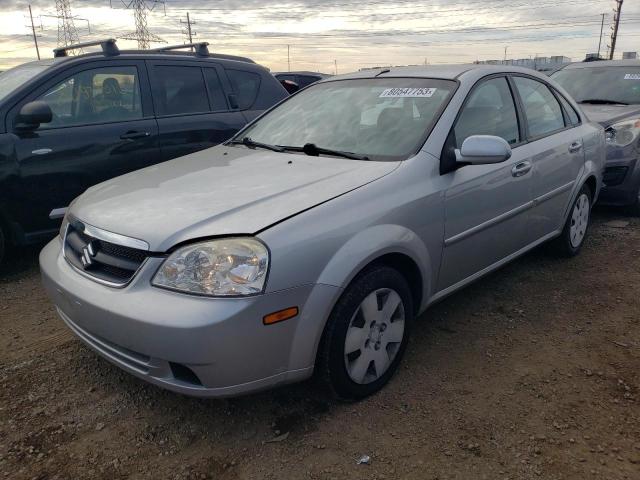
(210, 347)
(622, 171)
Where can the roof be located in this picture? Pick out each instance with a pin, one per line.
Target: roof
(446, 72)
(603, 63)
(315, 74)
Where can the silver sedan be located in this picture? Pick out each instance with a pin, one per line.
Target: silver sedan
(311, 241)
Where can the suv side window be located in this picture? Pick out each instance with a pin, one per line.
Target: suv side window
(181, 90)
(245, 85)
(100, 95)
(572, 115)
(542, 110)
(490, 110)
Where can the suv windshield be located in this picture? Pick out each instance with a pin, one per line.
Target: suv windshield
(12, 79)
(378, 118)
(601, 84)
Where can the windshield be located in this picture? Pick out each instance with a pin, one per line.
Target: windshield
(12, 79)
(381, 119)
(614, 84)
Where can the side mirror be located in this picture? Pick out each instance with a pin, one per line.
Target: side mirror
(233, 101)
(33, 114)
(290, 86)
(483, 150)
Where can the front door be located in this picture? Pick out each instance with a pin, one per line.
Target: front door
(102, 127)
(486, 206)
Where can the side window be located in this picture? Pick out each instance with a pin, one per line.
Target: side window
(101, 95)
(490, 110)
(245, 85)
(574, 119)
(216, 93)
(543, 112)
(180, 90)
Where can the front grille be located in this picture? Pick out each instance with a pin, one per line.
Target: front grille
(614, 175)
(105, 261)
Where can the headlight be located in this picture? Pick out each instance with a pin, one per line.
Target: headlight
(219, 268)
(623, 133)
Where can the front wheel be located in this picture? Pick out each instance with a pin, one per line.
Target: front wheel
(575, 230)
(367, 334)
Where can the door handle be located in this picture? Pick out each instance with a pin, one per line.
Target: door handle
(575, 147)
(134, 135)
(521, 169)
(41, 151)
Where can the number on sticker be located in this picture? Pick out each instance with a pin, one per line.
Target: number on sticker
(408, 93)
(632, 76)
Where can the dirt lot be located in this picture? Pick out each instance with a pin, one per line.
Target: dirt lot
(534, 372)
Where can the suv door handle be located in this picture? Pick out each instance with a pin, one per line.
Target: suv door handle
(575, 147)
(521, 169)
(132, 135)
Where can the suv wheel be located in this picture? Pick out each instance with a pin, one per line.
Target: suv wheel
(575, 230)
(3, 242)
(367, 334)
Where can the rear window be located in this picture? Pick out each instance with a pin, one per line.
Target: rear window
(182, 90)
(245, 85)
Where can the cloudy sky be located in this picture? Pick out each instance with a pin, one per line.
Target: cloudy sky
(353, 33)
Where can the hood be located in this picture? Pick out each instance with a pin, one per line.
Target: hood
(607, 115)
(219, 191)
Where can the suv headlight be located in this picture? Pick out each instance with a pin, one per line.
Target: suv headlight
(226, 267)
(624, 133)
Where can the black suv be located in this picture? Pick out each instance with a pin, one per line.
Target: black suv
(74, 121)
(302, 79)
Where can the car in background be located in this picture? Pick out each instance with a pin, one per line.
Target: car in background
(301, 79)
(311, 240)
(74, 121)
(609, 93)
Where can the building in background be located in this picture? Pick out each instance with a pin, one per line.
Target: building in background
(542, 64)
(630, 55)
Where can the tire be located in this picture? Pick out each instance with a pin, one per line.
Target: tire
(575, 231)
(374, 316)
(3, 243)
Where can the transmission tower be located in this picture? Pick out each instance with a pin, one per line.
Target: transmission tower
(67, 33)
(142, 33)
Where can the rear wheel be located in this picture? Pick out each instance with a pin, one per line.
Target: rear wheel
(3, 243)
(367, 334)
(575, 230)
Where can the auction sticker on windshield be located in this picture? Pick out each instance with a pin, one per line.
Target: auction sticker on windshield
(632, 76)
(408, 93)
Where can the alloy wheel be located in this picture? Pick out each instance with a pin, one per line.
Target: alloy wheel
(374, 335)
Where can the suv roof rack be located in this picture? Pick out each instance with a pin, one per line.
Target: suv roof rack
(200, 48)
(109, 47)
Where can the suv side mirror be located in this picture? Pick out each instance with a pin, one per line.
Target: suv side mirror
(483, 150)
(33, 114)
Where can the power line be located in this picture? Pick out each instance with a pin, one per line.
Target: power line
(142, 34)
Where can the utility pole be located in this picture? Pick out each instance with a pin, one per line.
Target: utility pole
(142, 34)
(614, 34)
(288, 57)
(33, 29)
(505, 53)
(335, 63)
(188, 31)
(601, 30)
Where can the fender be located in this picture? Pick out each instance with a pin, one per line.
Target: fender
(361, 250)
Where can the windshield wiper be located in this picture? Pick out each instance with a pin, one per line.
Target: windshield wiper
(313, 150)
(247, 142)
(602, 101)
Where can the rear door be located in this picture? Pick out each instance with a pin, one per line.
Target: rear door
(555, 136)
(191, 106)
(102, 127)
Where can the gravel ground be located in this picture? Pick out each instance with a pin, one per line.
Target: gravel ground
(533, 372)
